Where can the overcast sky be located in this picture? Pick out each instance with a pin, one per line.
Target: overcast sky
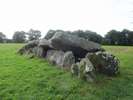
(96, 15)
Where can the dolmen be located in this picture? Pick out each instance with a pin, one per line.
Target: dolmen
(85, 59)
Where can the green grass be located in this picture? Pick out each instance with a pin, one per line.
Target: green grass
(22, 78)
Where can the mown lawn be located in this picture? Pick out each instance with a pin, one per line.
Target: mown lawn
(22, 78)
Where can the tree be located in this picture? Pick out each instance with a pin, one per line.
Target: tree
(89, 35)
(9, 41)
(124, 37)
(34, 34)
(130, 37)
(2, 37)
(93, 36)
(113, 37)
(19, 37)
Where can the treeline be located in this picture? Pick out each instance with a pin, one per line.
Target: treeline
(21, 36)
(113, 37)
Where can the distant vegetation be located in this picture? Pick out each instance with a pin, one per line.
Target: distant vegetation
(21, 36)
(2, 37)
(113, 37)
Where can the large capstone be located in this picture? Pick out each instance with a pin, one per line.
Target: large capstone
(78, 46)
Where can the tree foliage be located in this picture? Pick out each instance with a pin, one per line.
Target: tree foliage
(2, 37)
(19, 37)
(113, 37)
(33, 34)
(89, 35)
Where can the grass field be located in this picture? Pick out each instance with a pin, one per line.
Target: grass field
(22, 78)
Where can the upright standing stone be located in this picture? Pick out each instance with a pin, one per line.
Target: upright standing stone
(104, 62)
(84, 70)
(68, 59)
